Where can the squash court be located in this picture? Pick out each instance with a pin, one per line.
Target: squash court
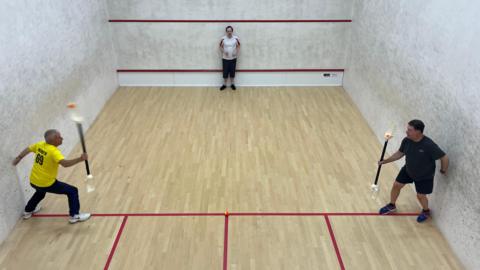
(292, 166)
(239, 135)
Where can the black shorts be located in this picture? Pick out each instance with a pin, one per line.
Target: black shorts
(229, 67)
(422, 186)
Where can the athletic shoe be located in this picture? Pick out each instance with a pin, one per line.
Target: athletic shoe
(387, 209)
(79, 218)
(27, 215)
(233, 87)
(223, 87)
(424, 215)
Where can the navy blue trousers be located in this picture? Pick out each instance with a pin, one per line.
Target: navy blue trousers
(57, 188)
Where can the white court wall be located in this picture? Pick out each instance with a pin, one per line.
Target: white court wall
(51, 52)
(263, 45)
(419, 59)
(194, 79)
(225, 10)
(194, 45)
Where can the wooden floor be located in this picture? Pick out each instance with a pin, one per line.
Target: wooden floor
(199, 150)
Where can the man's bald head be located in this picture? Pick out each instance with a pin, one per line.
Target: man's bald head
(53, 137)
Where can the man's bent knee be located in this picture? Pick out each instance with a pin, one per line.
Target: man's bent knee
(398, 185)
(73, 190)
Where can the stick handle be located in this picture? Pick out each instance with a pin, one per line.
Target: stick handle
(84, 148)
(381, 158)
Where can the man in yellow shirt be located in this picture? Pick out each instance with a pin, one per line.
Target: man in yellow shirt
(44, 173)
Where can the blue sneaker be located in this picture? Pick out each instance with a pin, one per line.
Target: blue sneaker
(387, 209)
(424, 215)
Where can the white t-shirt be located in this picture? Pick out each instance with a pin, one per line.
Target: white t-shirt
(230, 47)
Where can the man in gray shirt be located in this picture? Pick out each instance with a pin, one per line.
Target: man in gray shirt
(420, 155)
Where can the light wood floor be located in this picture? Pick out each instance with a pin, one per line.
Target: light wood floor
(156, 150)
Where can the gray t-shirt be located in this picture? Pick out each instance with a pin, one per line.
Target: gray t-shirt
(420, 157)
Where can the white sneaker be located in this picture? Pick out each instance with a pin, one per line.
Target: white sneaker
(27, 215)
(79, 218)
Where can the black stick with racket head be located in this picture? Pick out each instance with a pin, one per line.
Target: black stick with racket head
(84, 148)
(381, 159)
(374, 186)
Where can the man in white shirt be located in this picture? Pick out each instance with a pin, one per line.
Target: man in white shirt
(230, 48)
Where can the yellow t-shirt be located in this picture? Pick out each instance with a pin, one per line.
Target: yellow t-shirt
(45, 167)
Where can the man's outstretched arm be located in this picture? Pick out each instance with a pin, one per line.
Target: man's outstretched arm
(20, 156)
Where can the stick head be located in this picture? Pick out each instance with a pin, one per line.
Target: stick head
(388, 135)
(76, 118)
(72, 106)
(374, 194)
(90, 188)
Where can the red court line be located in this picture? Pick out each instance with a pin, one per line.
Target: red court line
(50, 215)
(224, 21)
(117, 239)
(166, 214)
(238, 70)
(136, 215)
(318, 214)
(276, 214)
(334, 242)
(231, 214)
(371, 214)
(225, 245)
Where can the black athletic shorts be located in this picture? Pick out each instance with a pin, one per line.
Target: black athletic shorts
(422, 186)
(229, 67)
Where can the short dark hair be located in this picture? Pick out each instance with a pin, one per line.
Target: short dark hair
(226, 29)
(49, 133)
(417, 125)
